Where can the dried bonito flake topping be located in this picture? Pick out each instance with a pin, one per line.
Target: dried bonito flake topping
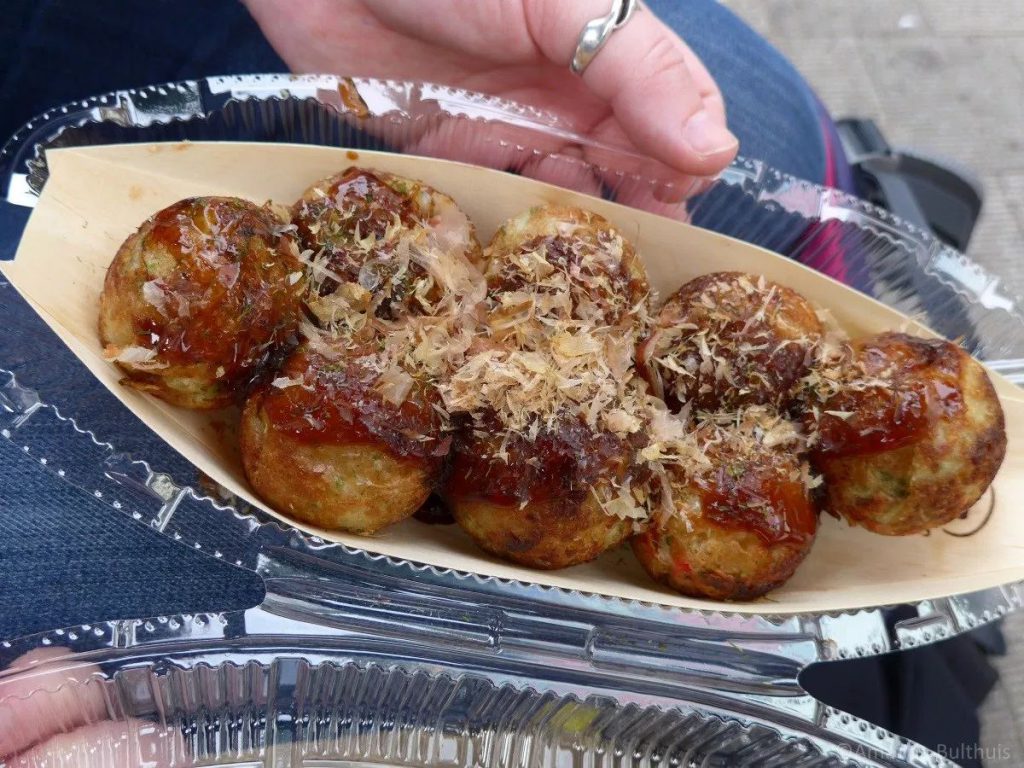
(907, 432)
(394, 278)
(880, 392)
(343, 385)
(729, 339)
(565, 303)
(410, 247)
(745, 457)
(530, 390)
(395, 353)
(556, 266)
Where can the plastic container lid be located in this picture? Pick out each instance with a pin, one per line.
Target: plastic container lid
(354, 659)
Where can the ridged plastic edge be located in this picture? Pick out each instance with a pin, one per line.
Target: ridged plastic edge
(177, 687)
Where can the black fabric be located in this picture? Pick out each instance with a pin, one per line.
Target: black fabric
(929, 695)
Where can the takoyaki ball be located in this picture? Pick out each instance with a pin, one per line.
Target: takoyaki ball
(335, 442)
(910, 433)
(558, 500)
(199, 300)
(406, 243)
(727, 340)
(735, 529)
(559, 265)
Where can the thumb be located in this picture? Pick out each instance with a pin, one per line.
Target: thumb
(663, 98)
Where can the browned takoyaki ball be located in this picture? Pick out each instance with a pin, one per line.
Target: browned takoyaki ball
(335, 442)
(550, 502)
(406, 243)
(563, 267)
(736, 528)
(542, 472)
(910, 432)
(727, 340)
(199, 299)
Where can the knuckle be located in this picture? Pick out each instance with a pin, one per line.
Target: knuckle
(662, 60)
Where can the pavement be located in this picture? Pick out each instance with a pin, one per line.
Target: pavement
(944, 77)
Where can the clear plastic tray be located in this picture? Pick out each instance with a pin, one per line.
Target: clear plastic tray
(280, 686)
(522, 675)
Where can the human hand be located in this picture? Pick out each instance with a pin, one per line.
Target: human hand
(54, 717)
(645, 91)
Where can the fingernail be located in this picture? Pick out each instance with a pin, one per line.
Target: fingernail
(706, 136)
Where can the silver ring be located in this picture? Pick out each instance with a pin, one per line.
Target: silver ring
(596, 32)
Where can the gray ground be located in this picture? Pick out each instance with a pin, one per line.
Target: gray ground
(944, 77)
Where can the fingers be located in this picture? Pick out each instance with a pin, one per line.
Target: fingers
(624, 159)
(500, 146)
(630, 179)
(495, 145)
(563, 172)
(642, 72)
(292, 34)
(640, 195)
(667, 109)
(491, 30)
(131, 744)
(53, 713)
(34, 706)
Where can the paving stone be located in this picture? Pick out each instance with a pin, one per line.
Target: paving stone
(1013, 188)
(951, 97)
(834, 18)
(977, 17)
(1002, 713)
(1000, 739)
(1011, 670)
(854, 93)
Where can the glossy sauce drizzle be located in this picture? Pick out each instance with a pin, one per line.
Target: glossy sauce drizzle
(759, 333)
(919, 384)
(338, 403)
(563, 465)
(228, 299)
(352, 223)
(757, 498)
(357, 200)
(615, 290)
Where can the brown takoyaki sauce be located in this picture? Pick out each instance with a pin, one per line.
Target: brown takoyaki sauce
(899, 387)
(562, 465)
(232, 269)
(564, 304)
(339, 401)
(357, 199)
(728, 340)
(758, 499)
(356, 224)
